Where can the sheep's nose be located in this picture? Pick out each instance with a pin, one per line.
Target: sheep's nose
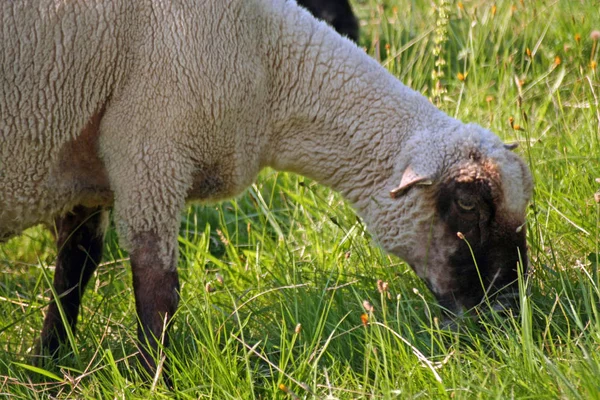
(451, 306)
(506, 301)
(448, 302)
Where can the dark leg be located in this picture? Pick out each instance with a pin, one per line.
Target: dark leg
(156, 287)
(79, 240)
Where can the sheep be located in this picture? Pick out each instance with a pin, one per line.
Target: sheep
(141, 106)
(337, 13)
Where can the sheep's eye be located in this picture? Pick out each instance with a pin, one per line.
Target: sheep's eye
(466, 205)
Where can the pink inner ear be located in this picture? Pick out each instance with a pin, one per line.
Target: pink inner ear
(409, 178)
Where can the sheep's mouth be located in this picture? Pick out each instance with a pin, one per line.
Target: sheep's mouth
(504, 305)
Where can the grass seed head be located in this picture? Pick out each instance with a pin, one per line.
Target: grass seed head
(382, 286)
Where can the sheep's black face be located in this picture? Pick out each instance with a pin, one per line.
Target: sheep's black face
(456, 214)
(490, 242)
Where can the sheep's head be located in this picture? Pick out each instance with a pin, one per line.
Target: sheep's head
(460, 213)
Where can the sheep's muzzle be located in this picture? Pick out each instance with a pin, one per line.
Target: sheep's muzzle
(490, 280)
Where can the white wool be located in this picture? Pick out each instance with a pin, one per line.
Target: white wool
(194, 98)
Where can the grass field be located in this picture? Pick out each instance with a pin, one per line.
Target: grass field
(274, 283)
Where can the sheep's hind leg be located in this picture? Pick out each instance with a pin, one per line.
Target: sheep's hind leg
(79, 240)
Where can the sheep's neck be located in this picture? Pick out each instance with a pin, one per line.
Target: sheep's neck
(339, 118)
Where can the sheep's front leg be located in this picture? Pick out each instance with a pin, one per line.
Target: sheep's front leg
(150, 173)
(147, 211)
(79, 240)
(156, 287)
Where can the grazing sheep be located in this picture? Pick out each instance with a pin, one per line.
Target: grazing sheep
(140, 106)
(337, 13)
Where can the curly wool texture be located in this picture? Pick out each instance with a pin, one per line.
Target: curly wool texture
(144, 105)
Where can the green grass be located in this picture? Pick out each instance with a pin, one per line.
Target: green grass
(297, 265)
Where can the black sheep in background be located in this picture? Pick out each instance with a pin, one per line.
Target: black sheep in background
(336, 13)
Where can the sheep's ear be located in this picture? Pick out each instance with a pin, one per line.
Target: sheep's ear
(511, 146)
(409, 179)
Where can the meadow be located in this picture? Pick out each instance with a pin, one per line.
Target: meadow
(285, 295)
